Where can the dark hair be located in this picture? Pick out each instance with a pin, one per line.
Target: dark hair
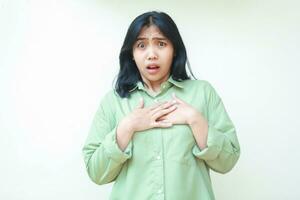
(129, 74)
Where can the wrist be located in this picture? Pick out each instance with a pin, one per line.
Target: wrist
(200, 131)
(124, 135)
(197, 120)
(194, 119)
(126, 126)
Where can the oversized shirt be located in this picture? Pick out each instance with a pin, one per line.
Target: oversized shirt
(161, 163)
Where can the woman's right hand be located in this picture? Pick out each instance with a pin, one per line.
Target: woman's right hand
(142, 118)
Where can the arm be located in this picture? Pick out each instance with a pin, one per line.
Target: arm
(102, 155)
(222, 150)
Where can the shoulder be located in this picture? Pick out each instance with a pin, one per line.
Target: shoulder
(110, 97)
(201, 84)
(108, 102)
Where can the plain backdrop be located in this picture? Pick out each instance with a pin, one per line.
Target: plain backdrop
(58, 59)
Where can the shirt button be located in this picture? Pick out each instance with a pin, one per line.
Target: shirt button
(159, 191)
(157, 157)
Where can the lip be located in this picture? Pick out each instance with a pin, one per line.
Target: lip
(152, 68)
(152, 64)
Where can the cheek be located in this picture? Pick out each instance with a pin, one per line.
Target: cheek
(137, 60)
(138, 57)
(168, 54)
(168, 58)
(139, 66)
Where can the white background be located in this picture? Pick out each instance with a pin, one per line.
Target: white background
(58, 58)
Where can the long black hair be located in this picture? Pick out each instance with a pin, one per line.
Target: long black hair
(129, 74)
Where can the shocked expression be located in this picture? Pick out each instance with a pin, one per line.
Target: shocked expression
(153, 54)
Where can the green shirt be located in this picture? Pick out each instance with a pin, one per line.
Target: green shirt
(161, 163)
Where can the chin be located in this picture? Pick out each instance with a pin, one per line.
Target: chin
(154, 78)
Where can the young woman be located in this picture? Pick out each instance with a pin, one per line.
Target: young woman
(159, 133)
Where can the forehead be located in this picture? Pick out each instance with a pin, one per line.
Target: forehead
(150, 31)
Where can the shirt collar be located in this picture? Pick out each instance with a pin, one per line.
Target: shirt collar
(177, 83)
(164, 85)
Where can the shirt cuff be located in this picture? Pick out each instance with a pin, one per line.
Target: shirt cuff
(215, 142)
(113, 150)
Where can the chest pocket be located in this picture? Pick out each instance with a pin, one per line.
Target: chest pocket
(178, 144)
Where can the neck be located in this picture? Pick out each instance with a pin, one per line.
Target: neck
(154, 86)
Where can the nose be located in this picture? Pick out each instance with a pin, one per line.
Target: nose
(151, 54)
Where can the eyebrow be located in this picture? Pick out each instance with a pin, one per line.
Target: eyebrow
(155, 38)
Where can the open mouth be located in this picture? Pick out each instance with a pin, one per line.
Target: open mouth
(152, 69)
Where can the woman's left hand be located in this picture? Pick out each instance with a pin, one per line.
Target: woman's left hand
(184, 114)
(187, 114)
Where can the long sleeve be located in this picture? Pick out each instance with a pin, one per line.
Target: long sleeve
(102, 155)
(223, 149)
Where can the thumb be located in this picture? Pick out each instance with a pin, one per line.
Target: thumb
(141, 103)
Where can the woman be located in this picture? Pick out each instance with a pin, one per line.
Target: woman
(158, 133)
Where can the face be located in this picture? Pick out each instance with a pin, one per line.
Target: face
(153, 54)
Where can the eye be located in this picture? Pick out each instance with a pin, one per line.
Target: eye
(161, 44)
(141, 45)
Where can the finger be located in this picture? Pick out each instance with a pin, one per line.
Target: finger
(157, 104)
(164, 117)
(162, 124)
(165, 105)
(160, 107)
(141, 103)
(160, 113)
